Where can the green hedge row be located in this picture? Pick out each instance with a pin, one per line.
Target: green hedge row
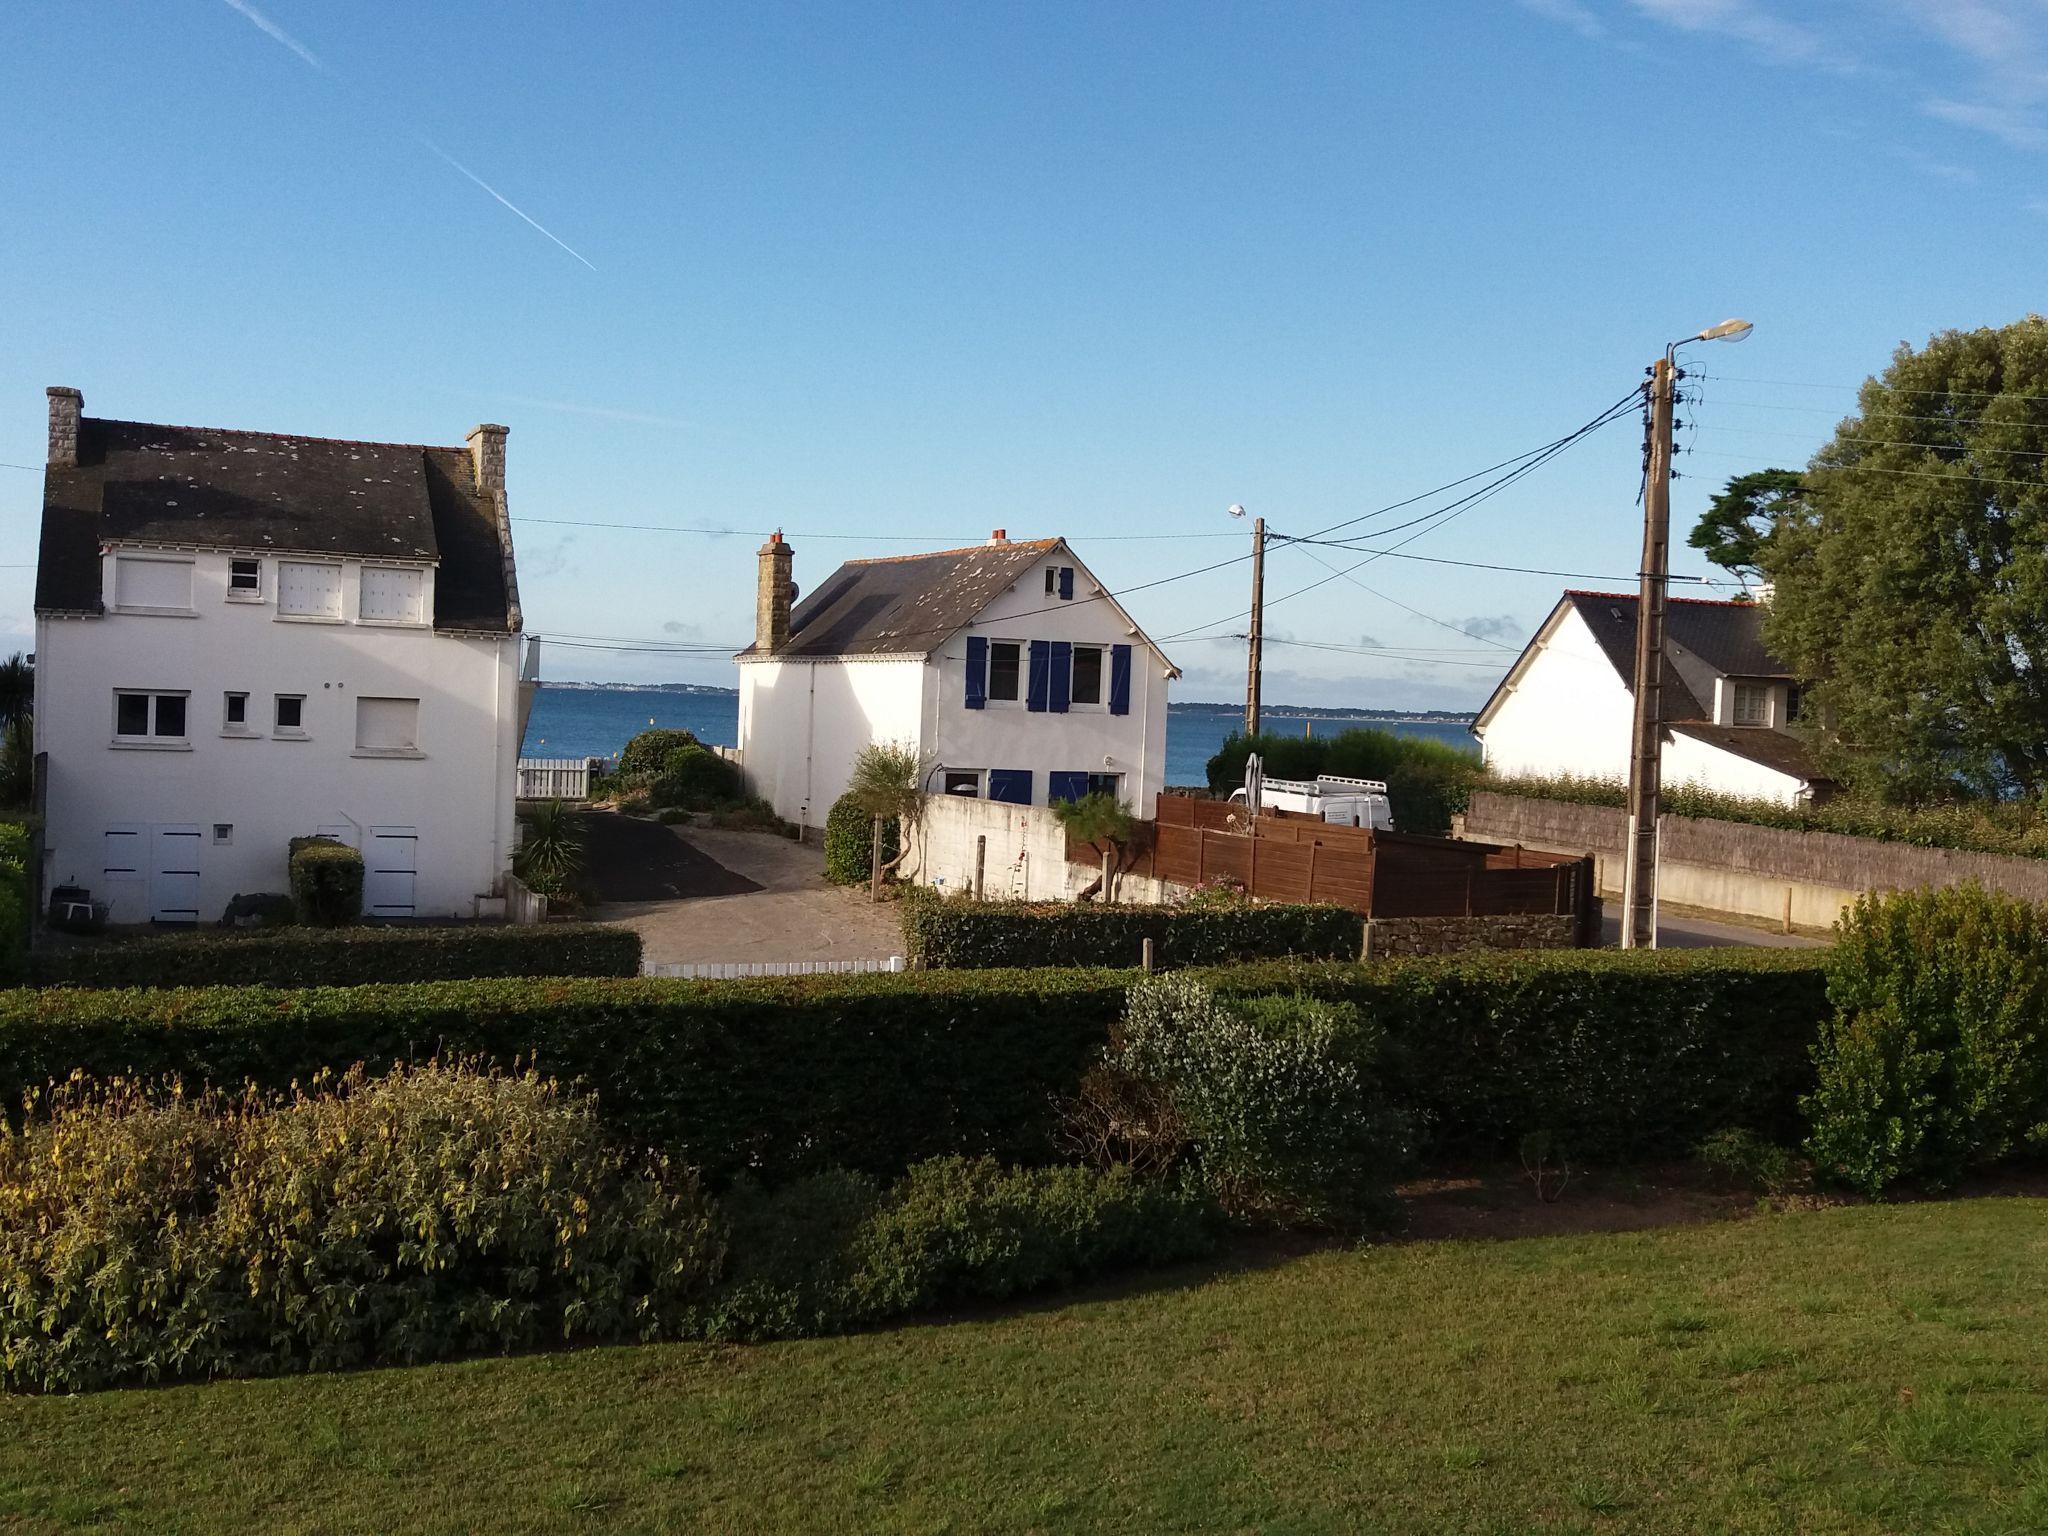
(994, 935)
(17, 902)
(344, 957)
(1619, 1054)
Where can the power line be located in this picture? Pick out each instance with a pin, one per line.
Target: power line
(1424, 661)
(867, 538)
(1889, 442)
(1375, 592)
(1897, 389)
(1777, 408)
(1872, 469)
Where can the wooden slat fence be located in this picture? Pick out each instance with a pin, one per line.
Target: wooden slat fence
(554, 778)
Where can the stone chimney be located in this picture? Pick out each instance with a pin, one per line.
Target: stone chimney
(487, 456)
(66, 406)
(774, 592)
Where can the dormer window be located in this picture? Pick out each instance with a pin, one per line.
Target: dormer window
(1752, 704)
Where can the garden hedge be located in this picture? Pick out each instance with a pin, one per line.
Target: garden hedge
(344, 957)
(327, 882)
(989, 935)
(1617, 1054)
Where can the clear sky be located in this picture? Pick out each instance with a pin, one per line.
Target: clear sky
(885, 274)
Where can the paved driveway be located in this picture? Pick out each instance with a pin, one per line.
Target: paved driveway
(699, 896)
(1678, 930)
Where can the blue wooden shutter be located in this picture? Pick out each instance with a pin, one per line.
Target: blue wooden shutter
(1066, 583)
(1041, 675)
(977, 671)
(1012, 786)
(1119, 679)
(1065, 786)
(1060, 687)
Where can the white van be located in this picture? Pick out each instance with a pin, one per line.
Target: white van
(1341, 801)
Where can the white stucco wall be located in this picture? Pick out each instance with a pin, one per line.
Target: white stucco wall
(1023, 854)
(1687, 761)
(802, 723)
(457, 793)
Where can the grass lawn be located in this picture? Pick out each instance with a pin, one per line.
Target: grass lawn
(1869, 1369)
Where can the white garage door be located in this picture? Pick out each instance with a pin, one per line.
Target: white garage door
(174, 875)
(124, 873)
(390, 867)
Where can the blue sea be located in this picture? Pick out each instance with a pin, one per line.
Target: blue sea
(597, 722)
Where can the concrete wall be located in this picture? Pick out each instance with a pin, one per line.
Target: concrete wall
(1026, 856)
(456, 790)
(1388, 936)
(1726, 866)
(803, 722)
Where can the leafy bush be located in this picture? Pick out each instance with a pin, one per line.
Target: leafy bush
(837, 1250)
(849, 842)
(1427, 781)
(1935, 1060)
(269, 909)
(696, 778)
(1278, 1096)
(344, 958)
(17, 901)
(1626, 1055)
(1745, 1158)
(754, 815)
(17, 762)
(988, 935)
(327, 882)
(550, 855)
(645, 755)
(437, 1211)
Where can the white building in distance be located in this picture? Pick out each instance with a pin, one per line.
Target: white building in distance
(245, 637)
(1567, 706)
(1008, 667)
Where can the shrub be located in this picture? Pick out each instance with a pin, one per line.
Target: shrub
(986, 935)
(269, 909)
(1934, 1061)
(1625, 1055)
(1746, 1159)
(1428, 781)
(17, 901)
(643, 756)
(17, 761)
(434, 1212)
(327, 882)
(550, 855)
(345, 958)
(696, 778)
(849, 842)
(1278, 1095)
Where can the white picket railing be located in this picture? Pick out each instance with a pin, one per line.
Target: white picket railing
(554, 778)
(734, 970)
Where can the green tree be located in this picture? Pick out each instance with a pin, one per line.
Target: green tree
(1914, 589)
(1738, 523)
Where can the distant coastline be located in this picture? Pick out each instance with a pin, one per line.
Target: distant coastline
(1177, 707)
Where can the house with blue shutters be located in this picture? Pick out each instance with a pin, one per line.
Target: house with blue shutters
(1015, 675)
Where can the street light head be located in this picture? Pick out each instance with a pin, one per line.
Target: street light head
(1236, 510)
(1727, 330)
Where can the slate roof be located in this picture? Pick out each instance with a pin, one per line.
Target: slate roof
(905, 604)
(1773, 749)
(1727, 637)
(215, 488)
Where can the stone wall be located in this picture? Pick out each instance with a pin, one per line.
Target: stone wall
(1386, 936)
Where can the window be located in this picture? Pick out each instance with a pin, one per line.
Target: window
(1052, 580)
(223, 832)
(152, 719)
(234, 712)
(1005, 662)
(1752, 704)
(1059, 581)
(308, 589)
(387, 725)
(152, 586)
(1110, 784)
(291, 714)
(392, 596)
(245, 580)
(1087, 675)
(964, 782)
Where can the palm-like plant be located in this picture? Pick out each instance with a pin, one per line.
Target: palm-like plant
(17, 761)
(887, 782)
(1099, 820)
(552, 854)
(17, 688)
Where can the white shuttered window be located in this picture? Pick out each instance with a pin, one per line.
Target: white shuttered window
(309, 589)
(393, 596)
(142, 583)
(387, 725)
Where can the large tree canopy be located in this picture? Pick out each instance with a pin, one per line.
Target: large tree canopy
(1738, 523)
(1912, 581)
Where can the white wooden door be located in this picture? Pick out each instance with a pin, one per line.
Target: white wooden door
(124, 873)
(390, 868)
(174, 874)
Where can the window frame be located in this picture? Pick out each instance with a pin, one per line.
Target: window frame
(340, 614)
(1015, 700)
(151, 739)
(1100, 703)
(1111, 784)
(279, 731)
(154, 610)
(948, 775)
(253, 594)
(412, 750)
(1760, 693)
(229, 726)
(362, 577)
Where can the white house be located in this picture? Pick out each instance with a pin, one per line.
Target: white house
(1010, 669)
(244, 637)
(1567, 704)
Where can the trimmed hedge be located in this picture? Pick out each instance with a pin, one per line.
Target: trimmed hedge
(345, 957)
(17, 902)
(1636, 1054)
(850, 842)
(993, 935)
(326, 881)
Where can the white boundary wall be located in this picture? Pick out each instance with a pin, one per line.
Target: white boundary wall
(1026, 856)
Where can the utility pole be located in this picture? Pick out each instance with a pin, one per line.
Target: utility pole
(1646, 757)
(1255, 651)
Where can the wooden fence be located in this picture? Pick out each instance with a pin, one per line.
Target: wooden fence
(1286, 856)
(554, 778)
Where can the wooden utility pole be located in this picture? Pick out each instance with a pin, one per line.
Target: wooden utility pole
(1646, 756)
(1254, 660)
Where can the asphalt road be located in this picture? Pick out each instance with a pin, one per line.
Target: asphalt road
(1676, 931)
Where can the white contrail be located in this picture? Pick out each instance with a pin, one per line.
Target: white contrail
(274, 31)
(278, 34)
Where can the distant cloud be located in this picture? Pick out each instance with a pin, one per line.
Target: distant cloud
(1497, 626)
(2018, 126)
(1371, 642)
(677, 629)
(1571, 13)
(277, 33)
(1781, 41)
(1930, 165)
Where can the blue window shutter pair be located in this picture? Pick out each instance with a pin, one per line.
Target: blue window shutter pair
(1041, 676)
(1012, 786)
(1061, 687)
(977, 671)
(1065, 786)
(1119, 679)
(1066, 583)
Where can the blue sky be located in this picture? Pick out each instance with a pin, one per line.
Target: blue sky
(883, 274)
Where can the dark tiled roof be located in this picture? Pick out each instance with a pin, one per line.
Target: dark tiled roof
(1774, 749)
(1702, 640)
(148, 484)
(906, 604)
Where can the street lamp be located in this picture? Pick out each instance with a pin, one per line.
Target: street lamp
(1646, 747)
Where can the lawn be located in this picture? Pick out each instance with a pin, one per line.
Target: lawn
(1858, 1369)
